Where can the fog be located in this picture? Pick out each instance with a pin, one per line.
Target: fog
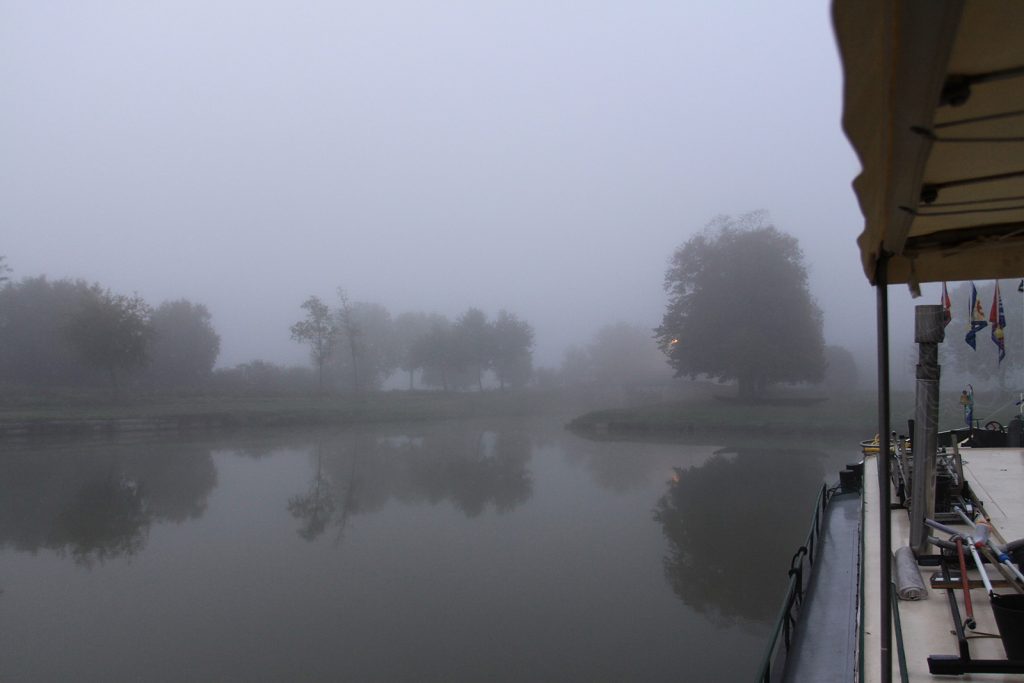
(540, 157)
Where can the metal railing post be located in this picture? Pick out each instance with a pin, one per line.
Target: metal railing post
(884, 528)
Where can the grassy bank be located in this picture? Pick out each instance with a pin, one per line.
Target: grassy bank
(84, 413)
(854, 413)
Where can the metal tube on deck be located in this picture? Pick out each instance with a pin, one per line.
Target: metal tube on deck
(980, 565)
(966, 585)
(928, 332)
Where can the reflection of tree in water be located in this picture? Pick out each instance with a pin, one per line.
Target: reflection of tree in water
(98, 501)
(316, 507)
(645, 464)
(362, 472)
(732, 525)
(472, 475)
(106, 519)
(176, 480)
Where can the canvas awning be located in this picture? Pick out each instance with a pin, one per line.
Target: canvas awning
(934, 107)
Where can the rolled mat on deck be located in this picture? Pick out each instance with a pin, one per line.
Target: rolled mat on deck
(909, 584)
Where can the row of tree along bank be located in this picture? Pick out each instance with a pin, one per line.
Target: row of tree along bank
(739, 311)
(69, 334)
(358, 345)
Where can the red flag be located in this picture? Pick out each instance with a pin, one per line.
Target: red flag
(998, 320)
(947, 307)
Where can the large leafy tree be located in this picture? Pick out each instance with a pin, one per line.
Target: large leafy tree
(111, 332)
(740, 309)
(438, 353)
(513, 349)
(185, 345)
(477, 340)
(624, 354)
(841, 373)
(34, 349)
(367, 338)
(409, 327)
(319, 331)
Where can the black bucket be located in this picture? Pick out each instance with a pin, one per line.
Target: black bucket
(1009, 613)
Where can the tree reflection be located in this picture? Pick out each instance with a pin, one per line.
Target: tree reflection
(316, 507)
(488, 468)
(107, 519)
(361, 472)
(721, 573)
(98, 501)
(645, 466)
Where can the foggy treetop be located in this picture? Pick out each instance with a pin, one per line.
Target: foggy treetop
(539, 157)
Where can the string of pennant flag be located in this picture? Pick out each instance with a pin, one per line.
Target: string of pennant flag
(977, 320)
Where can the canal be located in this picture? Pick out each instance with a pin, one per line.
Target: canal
(483, 550)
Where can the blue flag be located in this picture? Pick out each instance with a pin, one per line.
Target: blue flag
(976, 318)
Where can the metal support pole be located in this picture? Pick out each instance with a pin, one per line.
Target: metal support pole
(928, 332)
(884, 529)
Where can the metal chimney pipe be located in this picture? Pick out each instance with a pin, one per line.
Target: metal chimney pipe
(929, 330)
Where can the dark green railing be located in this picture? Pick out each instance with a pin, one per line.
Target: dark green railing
(799, 567)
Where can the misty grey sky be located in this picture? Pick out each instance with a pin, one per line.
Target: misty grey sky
(544, 157)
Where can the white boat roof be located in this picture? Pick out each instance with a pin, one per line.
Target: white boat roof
(933, 104)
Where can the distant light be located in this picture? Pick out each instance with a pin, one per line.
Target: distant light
(674, 342)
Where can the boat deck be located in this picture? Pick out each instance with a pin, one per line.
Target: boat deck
(825, 646)
(997, 477)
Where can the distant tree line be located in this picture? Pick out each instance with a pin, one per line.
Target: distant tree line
(74, 334)
(355, 346)
(619, 355)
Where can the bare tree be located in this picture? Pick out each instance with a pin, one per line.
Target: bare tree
(317, 330)
(349, 327)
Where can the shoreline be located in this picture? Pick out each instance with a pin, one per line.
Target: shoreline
(180, 414)
(27, 417)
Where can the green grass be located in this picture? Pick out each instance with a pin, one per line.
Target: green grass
(69, 413)
(851, 413)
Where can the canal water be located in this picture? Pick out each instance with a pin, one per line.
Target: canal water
(484, 550)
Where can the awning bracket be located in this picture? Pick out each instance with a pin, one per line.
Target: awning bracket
(930, 191)
(979, 119)
(957, 89)
(961, 212)
(931, 136)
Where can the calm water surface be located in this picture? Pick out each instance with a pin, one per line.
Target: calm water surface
(463, 551)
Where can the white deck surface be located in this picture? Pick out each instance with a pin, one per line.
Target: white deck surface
(997, 478)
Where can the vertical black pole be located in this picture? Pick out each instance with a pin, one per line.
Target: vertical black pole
(884, 542)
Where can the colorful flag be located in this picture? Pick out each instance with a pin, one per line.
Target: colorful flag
(947, 306)
(998, 319)
(976, 318)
